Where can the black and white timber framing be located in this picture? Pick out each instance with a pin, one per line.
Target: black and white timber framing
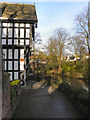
(17, 39)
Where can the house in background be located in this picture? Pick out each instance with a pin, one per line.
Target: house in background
(18, 23)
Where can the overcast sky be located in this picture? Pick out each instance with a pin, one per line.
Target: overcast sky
(52, 15)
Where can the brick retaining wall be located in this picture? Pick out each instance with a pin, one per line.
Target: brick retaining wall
(6, 104)
(15, 97)
(7, 101)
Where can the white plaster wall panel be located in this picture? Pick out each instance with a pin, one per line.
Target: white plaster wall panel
(21, 24)
(9, 41)
(9, 32)
(21, 42)
(15, 75)
(4, 24)
(15, 65)
(9, 53)
(16, 24)
(3, 56)
(5, 53)
(9, 65)
(27, 33)
(10, 76)
(15, 41)
(27, 25)
(21, 33)
(21, 56)
(4, 32)
(3, 41)
(15, 53)
(5, 65)
(27, 42)
(9, 24)
(16, 32)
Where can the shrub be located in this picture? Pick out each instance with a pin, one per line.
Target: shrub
(79, 65)
(64, 68)
(15, 82)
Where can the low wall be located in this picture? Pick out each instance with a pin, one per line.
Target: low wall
(6, 103)
(78, 98)
(10, 96)
(15, 97)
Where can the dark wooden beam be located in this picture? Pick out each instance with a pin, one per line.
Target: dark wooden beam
(20, 21)
(15, 46)
(13, 52)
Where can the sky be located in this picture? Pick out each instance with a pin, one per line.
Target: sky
(53, 14)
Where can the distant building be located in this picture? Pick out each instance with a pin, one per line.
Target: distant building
(18, 23)
(72, 58)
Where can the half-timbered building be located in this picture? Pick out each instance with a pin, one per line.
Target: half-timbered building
(18, 23)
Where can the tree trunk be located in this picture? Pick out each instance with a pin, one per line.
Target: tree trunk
(76, 57)
(89, 66)
(59, 69)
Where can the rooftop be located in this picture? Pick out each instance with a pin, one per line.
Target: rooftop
(18, 11)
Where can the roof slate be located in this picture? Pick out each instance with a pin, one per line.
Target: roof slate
(18, 11)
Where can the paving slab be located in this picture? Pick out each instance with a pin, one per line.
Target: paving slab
(39, 102)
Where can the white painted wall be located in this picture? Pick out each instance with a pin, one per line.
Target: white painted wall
(10, 54)
(3, 41)
(21, 56)
(5, 53)
(15, 75)
(27, 42)
(9, 65)
(16, 32)
(4, 32)
(16, 53)
(10, 76)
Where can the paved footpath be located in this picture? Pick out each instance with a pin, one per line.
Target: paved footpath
(44, 102)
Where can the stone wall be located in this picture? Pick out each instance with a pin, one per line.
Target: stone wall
(0, 72)
(78, 98)
(6, 103)
(10, 96)
(0, 86)
(15, 97)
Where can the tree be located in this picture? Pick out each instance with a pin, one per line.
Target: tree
(38, 42)
(82, 25)
(78, 45)
(56, 46)
(36, 48)
(52, 53)
(61, 36)
(81, 22)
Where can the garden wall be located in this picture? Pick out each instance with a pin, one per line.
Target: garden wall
(78, 98)
(6, 104)
(10, 96)
(15, 97)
